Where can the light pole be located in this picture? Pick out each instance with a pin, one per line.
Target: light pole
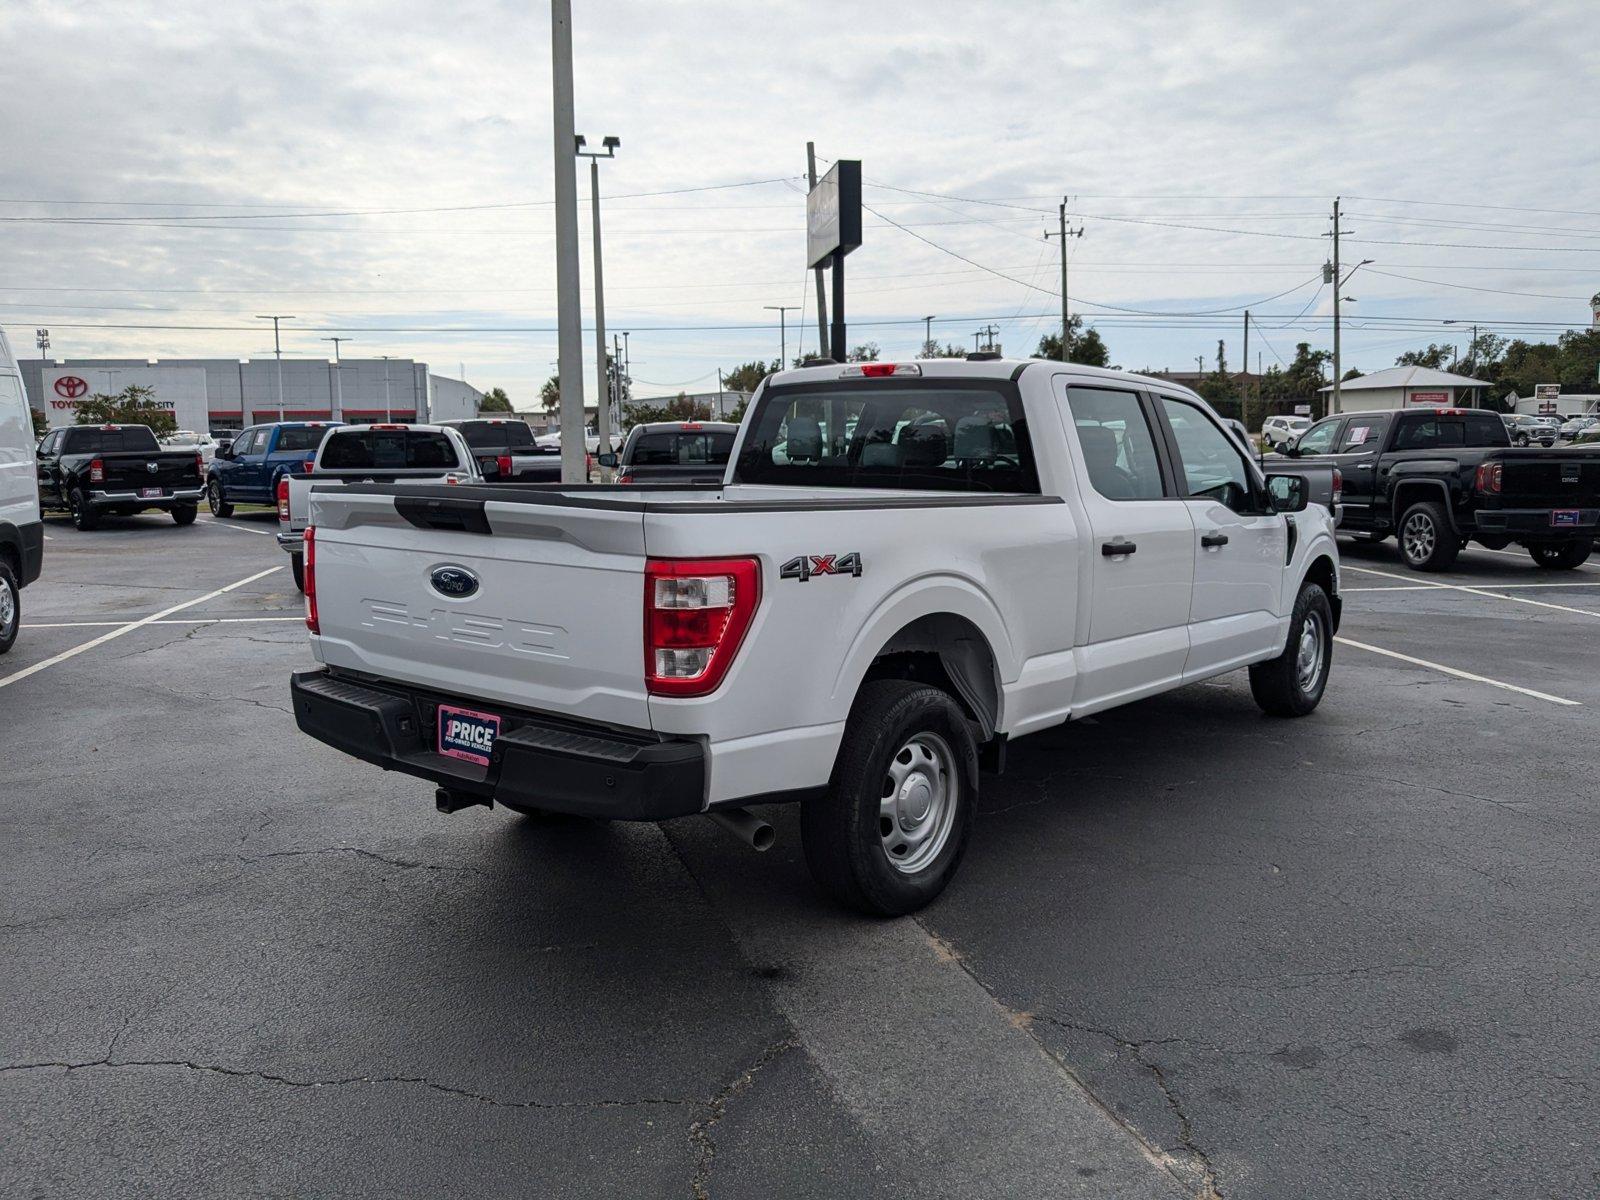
(569, 315)
(277, 352)
(602, 426)
(927, 335)
(783, 335)
(338, 379)
(41, 338)
(388, 408)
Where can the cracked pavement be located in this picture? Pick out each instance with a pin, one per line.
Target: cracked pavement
(1191, 952)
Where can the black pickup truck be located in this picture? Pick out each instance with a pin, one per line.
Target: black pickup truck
(506, 450)
(1442, 477)
(90, 470)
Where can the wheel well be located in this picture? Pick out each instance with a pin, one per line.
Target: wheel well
(1321, 573)
(1410, 491)
(948, 652)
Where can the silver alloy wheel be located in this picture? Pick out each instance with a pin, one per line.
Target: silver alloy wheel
(1308, 655)
(917, 809)
(8, 610)
(214, 496)
(1418, 537)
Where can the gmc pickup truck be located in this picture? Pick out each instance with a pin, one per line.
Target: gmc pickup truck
(370, 454)
(91, 470)
(507, 451)
(905, 566)
(1440, 478)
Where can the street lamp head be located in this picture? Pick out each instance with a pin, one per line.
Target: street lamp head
(582, 141)
(612, 143)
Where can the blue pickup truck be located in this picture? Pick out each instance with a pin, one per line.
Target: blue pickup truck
(246, 470)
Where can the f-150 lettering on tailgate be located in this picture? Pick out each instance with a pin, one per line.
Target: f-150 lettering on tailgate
(472, 629)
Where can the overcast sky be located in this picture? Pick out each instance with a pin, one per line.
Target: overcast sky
(173, 150)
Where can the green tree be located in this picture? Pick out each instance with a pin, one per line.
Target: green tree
(1352, 373)
(550, 394)
(932, 349)
(1084, 346)
(1434, 357)
(865, 352)
(133, 405)
(495, 400)
(746, 377)
(679, 408)
(41, 424)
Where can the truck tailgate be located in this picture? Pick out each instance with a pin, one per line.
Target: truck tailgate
(1550, 478)
(129, 472)
(554, 623)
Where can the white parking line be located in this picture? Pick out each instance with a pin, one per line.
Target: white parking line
(1423, 587)
(1459, 674)
(17, 676)
(1472, 591)
(236, 528)
(174, 621)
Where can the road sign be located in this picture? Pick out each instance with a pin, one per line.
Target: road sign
(833, 213)
(1547, 391)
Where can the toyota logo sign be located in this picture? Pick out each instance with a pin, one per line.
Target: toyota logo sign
(71, 387)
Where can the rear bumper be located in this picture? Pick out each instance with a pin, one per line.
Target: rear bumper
(538, 761)
(1533, 524)
(170, 500)
(293, 542)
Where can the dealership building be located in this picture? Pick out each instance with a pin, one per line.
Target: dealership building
(226, 394)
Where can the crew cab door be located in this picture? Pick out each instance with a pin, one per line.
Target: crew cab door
(249, 480)
(1240, 545)
(49, 476)
(1356, 454)
(1140, 553)
(230, 470)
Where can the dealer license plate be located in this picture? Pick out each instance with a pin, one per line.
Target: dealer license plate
(150, 493)
(1566, 517)
(467, 734)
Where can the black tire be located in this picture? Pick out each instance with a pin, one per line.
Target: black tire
(917, 735)
(297, 568)
(216, 501)
(84, 517)
(1520, 440)
(1291, 685)
(10, 606)
(1427, 542)
(1561, 556)
(184, 514)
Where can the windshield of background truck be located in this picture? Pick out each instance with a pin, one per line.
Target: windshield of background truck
(938, 435)
(386, 449)
(485, 435)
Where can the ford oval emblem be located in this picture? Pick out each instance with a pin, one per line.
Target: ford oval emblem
(455, 582)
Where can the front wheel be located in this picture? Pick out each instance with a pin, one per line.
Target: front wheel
(1427, 542)
(216, 501)
(1292, 684)
(1562, 556)
(888, 834)
(184, 514)
(10, 606)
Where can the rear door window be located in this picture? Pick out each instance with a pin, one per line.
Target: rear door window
(934, 435)
(1118, 447)
(387, 449)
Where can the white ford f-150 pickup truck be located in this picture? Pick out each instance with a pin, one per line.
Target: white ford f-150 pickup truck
(906, 566)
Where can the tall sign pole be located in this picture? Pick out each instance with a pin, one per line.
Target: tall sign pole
(569, 319)
(833, 229)
(602, 413)
(822, 288)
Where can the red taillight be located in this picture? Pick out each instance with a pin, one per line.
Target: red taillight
(625, 476)
(1490, 477)
(309, 465)
(1338, 486)
(283, 499)
(877, 370)
(503, 462)
(97, 471)
(310, 576)
(696, 612)
(199, 465)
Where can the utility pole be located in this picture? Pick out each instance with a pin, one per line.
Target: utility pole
(388, 406)
(569, 318)
(718, 408)
(338, 379)
(927, 335)
(1200, 364)
(602, 414)
(783, 337)
(1066, 308)
(987, 333)
(1338, 286)
(277, 353)
(616, 368)
(822, 288)
(41, 338)
(1244, 391)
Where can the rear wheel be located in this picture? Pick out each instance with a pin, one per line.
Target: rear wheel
(10, 606)
(83, 515)
(889, 833)
(184, 514)
(216, 501)
(1561, 556)
(297, 568)
(1292, 684)
(1427, 542)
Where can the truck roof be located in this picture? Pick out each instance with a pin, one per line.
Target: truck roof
(966, 368)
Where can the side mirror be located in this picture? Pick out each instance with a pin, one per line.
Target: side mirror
(1288, 492)
(223, 450)
(608, 461)
(1290, 447)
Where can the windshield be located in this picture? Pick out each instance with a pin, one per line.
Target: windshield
(386, 449)
(965, 435)
(487, 434)
(125, 438)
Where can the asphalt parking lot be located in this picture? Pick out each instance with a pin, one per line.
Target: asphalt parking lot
(1192, 951)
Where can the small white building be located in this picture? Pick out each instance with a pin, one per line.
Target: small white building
(1399, 387)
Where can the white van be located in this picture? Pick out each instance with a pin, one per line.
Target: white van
(21, 531)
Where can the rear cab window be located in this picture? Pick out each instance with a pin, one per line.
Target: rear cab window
(132, 439)
(680, 447)
(387, 449)
(482, 435)
(1449, 428)
(939, 434)
(296, 439)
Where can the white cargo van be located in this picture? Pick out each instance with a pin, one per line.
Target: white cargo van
(21, 531)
